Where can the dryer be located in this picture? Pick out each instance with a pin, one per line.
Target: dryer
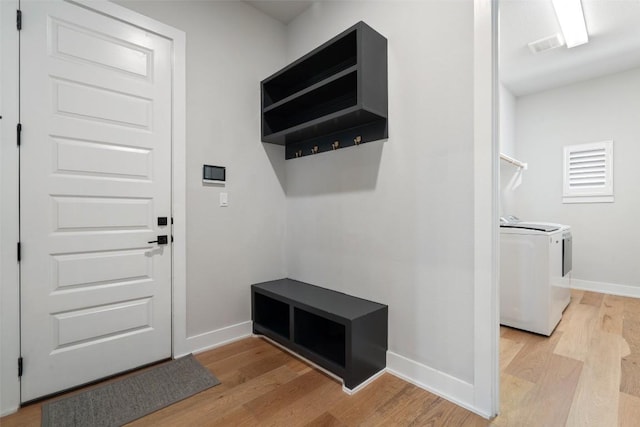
(535, 274)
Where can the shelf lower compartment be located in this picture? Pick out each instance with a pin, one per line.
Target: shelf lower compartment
(344, 119)
(320, 335)
(324, 100)
(300, 350)
(262, 330)
(271, 314)
(319, 360)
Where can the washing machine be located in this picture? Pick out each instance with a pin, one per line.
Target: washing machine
(535, 274)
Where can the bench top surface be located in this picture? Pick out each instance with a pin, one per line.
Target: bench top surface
(327, 300)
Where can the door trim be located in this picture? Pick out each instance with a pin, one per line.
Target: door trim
(9, 215)
(9, 272)
(486, 210)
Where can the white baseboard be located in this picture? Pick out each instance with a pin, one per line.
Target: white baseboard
(453, 389)
(352, 391)
(606, 288)
(217, 338)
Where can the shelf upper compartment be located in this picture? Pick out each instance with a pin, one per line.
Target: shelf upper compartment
(341, 85)
(312, 68)
(324, 100)
(310, 90)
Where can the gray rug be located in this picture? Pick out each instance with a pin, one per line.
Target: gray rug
(123, 401)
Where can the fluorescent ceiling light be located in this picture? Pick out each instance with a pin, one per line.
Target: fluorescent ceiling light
(571, 19)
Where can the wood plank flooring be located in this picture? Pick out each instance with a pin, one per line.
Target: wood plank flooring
(586, 374)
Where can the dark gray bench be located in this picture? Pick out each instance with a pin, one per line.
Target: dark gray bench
(341, 333)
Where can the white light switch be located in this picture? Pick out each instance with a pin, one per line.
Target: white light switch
(224, 200)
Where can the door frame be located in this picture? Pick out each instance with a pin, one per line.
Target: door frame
(9, 179)
(486, 159)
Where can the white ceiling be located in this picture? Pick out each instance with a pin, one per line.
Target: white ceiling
(614, 44)
(282, 10)
(614, 40)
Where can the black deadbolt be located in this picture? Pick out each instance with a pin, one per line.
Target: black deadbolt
(162, 220)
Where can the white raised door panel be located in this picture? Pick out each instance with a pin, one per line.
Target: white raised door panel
(101, 213)
(95, 175)
(103, 160)
(93, 325)
(77, 43)
(89, 103)
(71, 271)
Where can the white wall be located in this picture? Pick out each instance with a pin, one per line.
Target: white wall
(606, 236)
(507, 122)
(510, 175)
(230, 48)
(392, 221)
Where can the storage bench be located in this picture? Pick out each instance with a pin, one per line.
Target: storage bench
(341, 333)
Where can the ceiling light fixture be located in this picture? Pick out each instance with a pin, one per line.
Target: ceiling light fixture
(571, 19)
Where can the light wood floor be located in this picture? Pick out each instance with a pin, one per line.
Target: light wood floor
(586, 374)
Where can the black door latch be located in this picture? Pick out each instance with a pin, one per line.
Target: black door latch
(162, 240)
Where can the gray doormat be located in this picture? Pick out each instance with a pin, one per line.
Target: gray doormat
(130, 398)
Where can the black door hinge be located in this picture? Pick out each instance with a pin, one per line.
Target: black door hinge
(19, 252)
(19, 133)
(19, 19)
(19, 366)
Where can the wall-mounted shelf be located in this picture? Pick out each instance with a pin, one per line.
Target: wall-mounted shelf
(341, 333)
(333, 97)
(513, 161)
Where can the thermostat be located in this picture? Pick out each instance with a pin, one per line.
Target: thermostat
(214, 174)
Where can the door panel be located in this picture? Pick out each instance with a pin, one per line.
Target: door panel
(89, 103)
(90, 325)
(101, 213)
(71, 271)
(90, 158)
(95, 175)
(77, 43)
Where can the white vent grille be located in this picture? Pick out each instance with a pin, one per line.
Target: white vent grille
(587, 168)
(546, 43)
(588, 173)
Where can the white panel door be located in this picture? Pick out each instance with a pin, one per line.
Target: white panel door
(95, 176)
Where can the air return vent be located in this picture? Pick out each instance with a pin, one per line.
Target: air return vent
(588, 173)
(546, 43)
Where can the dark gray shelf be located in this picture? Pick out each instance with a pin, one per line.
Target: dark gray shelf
(335, 93)
(342, 333)
(311, 88)
(332, 57)
(341, 120)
